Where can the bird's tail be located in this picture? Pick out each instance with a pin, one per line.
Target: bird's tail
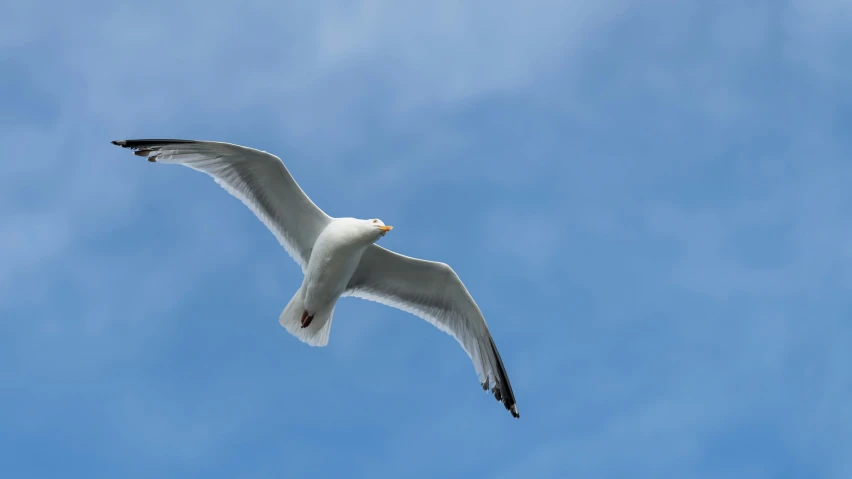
(316, 333)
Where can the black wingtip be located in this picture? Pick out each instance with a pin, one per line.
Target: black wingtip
(146, 143)
(503, 389)
(148, 148)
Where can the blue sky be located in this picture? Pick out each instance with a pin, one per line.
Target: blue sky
(648, 200)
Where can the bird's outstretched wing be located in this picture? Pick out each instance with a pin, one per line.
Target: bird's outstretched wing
(257, 178)
(434, 292)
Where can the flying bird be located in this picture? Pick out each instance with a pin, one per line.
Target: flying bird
(339, 256)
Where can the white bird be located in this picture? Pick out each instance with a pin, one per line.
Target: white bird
(339, 256)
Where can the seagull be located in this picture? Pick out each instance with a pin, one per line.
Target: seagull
(339, 256)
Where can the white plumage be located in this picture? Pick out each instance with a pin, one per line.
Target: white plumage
(338, 256)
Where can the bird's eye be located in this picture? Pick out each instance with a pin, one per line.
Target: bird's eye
(375, 221)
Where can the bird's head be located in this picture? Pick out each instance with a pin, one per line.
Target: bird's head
(379, 227)
(362, 231)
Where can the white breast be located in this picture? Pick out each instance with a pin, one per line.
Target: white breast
(334, 258)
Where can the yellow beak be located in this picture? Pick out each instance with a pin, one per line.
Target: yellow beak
(386, 228)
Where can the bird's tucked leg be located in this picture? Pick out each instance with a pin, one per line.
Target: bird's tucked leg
(306, 319)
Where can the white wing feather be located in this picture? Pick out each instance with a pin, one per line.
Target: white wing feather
(434, 292)
(257, 178)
